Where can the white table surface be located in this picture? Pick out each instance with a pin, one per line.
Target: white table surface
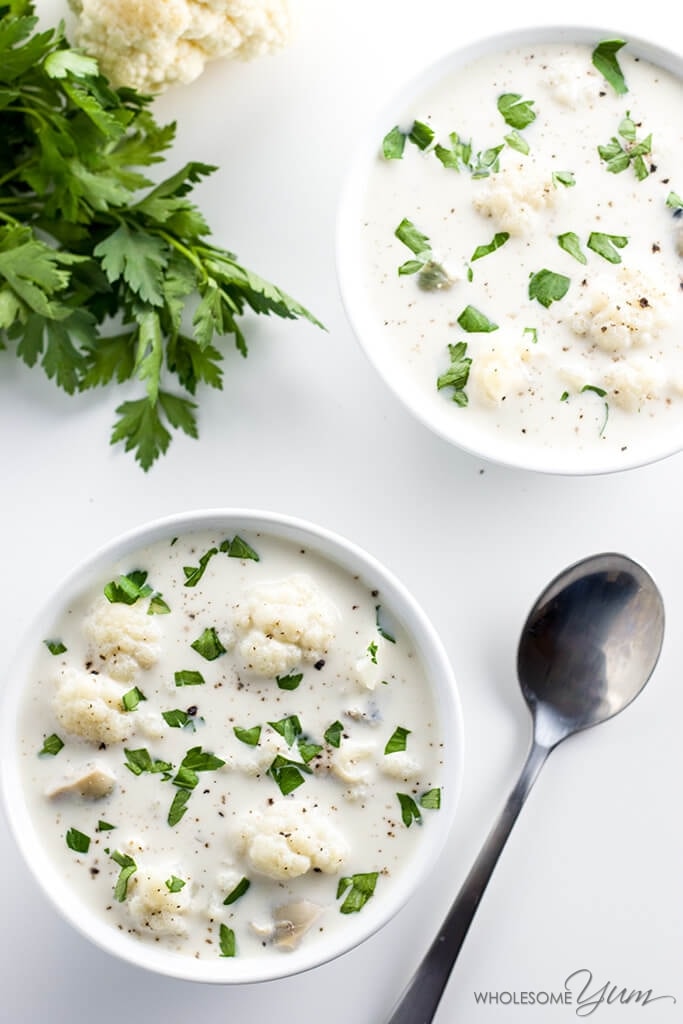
(591, 878)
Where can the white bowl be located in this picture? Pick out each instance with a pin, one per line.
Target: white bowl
(402, 608)
(409, 356)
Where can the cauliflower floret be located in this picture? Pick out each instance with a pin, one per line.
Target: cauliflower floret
(633, 383)
(369, 669)
(257, 760)
(289, 838)
(400, 765)
(153, 905)
(571, 84)
(124, 637)
(501, 370)
(353, 762)
(515, 195)
(89, 705)
(621, 310)
(284, 623)
(151, 45)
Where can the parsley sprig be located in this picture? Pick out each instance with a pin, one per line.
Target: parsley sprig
(88, 240)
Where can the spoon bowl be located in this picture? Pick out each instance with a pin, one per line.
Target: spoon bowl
(588, 647)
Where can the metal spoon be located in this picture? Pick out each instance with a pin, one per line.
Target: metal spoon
(588, 647)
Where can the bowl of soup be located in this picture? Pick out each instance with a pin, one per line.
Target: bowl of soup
(232, 746)
(510, 249)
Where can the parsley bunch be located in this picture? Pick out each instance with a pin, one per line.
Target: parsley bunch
(104, 275)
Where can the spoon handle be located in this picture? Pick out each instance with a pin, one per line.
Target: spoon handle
(420, 1000)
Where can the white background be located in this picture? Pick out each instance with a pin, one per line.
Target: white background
(591, 877)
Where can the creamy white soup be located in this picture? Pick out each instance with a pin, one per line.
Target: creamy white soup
(522, 250)
(230, 746)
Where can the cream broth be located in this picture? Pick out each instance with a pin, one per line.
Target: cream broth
(359, 691)
(601, 366)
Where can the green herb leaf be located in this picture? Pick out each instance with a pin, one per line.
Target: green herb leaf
(193, 574)
(55, 647)
(398, 740)
(308, 751)
(499, 239)
(565, 178)
(474, 322)
(333, 734)
(77, 841)
(457, 375)
(289, 728)
(407, 233)
(290, 681)
(208, 645)
(128, 868)
(157, 606)
(174, 884)
(139, 761)
(129, 588)
(518, 142)
(372, 651)
(593, 387)
(515, 111)
(571, 243)
(431, 800)
(288, 774)
(132, 698)
(607, 245)
(357, 889)
(176, 718)
(188, 677)
(239, 890)
(198, 760)
(393, 144)
(410, 812)
(674, 201)
(51, 745)
(226, 941)
(548, 287)
(104, 826)
(533, 334)
(249, 736)
(421, 135)
(605, 60)
(238, 548)
(178, 806)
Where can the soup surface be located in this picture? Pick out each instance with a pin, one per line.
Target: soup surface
(229, 745)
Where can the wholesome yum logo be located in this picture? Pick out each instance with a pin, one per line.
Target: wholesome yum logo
(579, 991)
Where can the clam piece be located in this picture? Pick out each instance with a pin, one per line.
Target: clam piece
(92, 783)
(292, 921)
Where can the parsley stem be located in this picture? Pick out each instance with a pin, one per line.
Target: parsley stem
(184, 251)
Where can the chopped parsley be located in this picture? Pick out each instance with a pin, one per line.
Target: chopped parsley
(398, 740)
(431, 799)
(565, 178)
(548, 287)
(208, 645)
(394, 144)
(461, 157)
(226, 941)
(418, 244)
(607, 245)
(238, 548)
(333, 734)
(132, 698)
(571, 243)
(157, 606)
(290, 681)
(289, 728)
(601, 393)
(186, 779)
(457, 375)
(357, 890)
(604, 58)
(239, 890)
(128, 868)
(372, 652)
(194, 573)
(518, 142)
(475, 322)
(618, 156)
(174, 884)
(51, 745)
(55, 646)
(178, 806)
(248, 736)
(410, 812)
(499, 239)
(308, 751)
(288, 774)
(188, 677)
(104, 826)
(533, 334)
(77, 841)
(140, 760)
(128, 588)
(421, 134)
(674, 201)
(176, 718)
(515, 111)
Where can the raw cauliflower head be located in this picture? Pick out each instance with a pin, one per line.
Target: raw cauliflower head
(89, 705)
(622, 310)
(151, 903)
(151, 45)
(290, 838)
(123, 637)
(284, 623)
